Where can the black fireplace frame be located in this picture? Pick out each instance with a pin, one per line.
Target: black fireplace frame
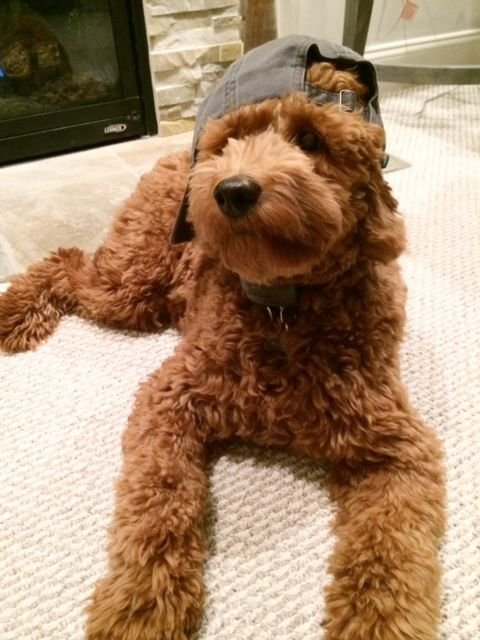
(75, 128)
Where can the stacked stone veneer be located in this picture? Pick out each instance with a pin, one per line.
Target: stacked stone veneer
(191, 44)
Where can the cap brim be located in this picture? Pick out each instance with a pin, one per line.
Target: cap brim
(182, 229)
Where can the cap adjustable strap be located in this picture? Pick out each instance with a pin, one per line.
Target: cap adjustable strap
(346, 98)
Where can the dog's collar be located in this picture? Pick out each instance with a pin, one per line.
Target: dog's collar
(276, 295)
(279, 300)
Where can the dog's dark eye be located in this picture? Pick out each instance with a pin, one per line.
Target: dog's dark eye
(308, 141)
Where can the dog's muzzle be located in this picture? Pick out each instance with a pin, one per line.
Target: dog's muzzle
(236, 196)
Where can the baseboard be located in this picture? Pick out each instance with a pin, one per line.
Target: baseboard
(405, 50)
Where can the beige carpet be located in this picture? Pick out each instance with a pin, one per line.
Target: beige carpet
(63, 408)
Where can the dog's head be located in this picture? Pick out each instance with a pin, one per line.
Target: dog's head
(287, 187)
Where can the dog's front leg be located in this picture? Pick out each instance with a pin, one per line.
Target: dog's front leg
(154, 586)
(385, 567)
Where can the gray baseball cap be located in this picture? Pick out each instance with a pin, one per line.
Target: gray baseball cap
(271, 71)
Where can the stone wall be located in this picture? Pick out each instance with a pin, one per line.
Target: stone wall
(191, 43)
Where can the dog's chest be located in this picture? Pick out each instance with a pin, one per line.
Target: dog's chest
(277, 376)
(276, 370)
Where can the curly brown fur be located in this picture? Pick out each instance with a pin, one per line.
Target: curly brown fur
(331, 390)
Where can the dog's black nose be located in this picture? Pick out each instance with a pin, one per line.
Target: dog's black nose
(235, 196)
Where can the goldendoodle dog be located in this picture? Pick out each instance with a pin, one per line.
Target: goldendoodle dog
(282, 277)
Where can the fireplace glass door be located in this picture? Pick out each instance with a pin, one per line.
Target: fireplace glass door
(71, 69)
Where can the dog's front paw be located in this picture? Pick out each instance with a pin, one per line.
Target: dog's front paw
(144, 605)
(35, 301)
(24, 321)
(378, 609)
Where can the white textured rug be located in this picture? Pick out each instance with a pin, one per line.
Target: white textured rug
(63, 408)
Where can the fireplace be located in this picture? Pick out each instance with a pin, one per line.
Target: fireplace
(73, 74)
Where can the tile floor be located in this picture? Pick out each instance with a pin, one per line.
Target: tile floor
(69, 200)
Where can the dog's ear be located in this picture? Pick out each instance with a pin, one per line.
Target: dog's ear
(382, 230)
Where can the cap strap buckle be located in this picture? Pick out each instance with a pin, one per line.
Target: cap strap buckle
(347, 99)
